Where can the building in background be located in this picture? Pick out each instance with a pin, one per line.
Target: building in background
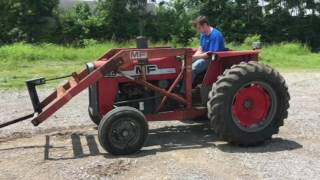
(71, 3)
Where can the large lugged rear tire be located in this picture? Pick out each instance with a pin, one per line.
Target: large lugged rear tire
(248, 103)
(123, 131)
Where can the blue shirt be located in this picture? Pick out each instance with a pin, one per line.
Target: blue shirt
(213, 42)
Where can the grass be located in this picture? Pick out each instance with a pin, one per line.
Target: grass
(288, 56)
(20, 62)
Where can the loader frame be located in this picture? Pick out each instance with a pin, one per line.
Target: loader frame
(114, 61)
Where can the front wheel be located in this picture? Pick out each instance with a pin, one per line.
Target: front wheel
(248, 103)
(123, 131)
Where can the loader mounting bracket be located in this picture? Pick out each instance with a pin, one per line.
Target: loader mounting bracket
(31, 85)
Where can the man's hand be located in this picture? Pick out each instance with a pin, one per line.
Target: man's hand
(200, 55)
(210, 53)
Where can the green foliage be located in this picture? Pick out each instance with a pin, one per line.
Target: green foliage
(119, 23)
(251, 39)
(120, 20)
(278, 21)
(291, 56)
(38, 21)
(79, 25)
(171, 23)
(236, 18)
(28, 20)
(158, 26)
(20, 62)
(182, 32)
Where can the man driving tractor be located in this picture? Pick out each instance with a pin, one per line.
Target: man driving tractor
(211, 40)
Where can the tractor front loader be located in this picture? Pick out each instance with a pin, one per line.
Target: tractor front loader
(245, 101)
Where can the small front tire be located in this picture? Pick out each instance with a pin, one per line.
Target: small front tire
(123, 131)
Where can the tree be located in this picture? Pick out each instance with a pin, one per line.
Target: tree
(120, 23)
(28, 20)
(279, 20)
(182, 32)
(80, 24)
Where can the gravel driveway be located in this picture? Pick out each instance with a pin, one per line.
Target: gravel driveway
(66, 146)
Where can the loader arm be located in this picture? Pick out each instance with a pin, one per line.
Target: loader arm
(114, 60)
(73, 87)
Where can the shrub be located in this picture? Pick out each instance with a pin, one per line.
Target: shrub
(251, 39)
(78, 25)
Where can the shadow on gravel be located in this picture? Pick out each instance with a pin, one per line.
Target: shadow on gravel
(273, 145)
(190, 136)
(77, 147)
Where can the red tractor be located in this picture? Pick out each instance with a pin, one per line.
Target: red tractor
(245, 101)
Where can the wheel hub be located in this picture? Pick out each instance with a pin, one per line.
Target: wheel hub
(124, 131)
(248, 104)
(251, 106)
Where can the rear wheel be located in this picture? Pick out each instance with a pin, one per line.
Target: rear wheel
(123, 131)
(248, 103)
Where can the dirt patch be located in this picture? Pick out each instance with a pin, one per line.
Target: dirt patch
(111, 169)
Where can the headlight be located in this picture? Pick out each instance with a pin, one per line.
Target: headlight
(90, 67)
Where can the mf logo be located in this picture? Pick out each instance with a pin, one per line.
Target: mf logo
(149, 68)
(138, 55)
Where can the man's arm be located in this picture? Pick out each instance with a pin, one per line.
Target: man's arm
(199, 55)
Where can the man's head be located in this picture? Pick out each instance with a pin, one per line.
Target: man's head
(202, 25)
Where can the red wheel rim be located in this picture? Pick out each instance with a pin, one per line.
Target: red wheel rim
(252, 105)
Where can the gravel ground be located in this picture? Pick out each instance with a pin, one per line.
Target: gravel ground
(66, 146)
